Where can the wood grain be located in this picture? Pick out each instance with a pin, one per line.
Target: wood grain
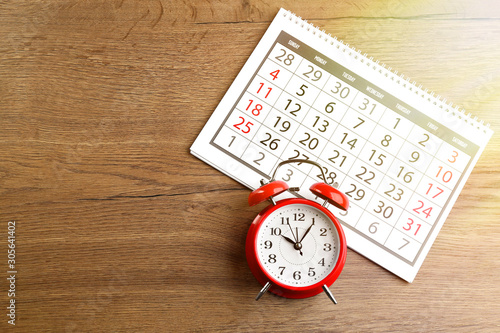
(119, 228)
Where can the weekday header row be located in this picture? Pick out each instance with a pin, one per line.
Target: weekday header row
(377, 94)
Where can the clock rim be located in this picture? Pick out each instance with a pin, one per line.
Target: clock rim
(279, 288)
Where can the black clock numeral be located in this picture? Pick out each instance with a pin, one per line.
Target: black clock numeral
(322, 262)
(296, 275)
(272, 259)
(328, 247)
(268, 244)
(323, 232)
(275, 232)
(282, 269)
(299, 217)
(311, 271)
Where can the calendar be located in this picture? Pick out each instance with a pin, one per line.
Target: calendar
(401, 154)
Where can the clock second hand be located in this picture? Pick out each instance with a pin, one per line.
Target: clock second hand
(291, 231)
(296, 244)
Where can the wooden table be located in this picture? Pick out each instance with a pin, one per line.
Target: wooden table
(119, 228)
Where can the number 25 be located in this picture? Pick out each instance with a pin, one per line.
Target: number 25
(247, 125)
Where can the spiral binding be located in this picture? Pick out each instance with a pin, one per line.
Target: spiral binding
(439, 101)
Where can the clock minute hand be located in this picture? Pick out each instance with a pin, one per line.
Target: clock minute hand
(296, 244)
(307, 231)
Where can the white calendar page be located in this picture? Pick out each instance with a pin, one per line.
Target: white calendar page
(401, 155)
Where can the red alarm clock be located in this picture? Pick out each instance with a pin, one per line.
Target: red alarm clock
(296, 248)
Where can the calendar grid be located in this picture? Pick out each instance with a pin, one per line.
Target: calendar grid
(375, 217)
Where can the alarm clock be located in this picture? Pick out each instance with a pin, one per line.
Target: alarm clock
(295, 247)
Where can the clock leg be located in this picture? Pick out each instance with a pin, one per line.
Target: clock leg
(263, 291)
(329, 294)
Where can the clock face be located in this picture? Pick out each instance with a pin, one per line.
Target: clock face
(298, 245)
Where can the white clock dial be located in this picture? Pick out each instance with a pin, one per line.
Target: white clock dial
(298, 245)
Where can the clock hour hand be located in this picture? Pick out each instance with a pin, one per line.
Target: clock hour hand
(297, 246)
(288, 239)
